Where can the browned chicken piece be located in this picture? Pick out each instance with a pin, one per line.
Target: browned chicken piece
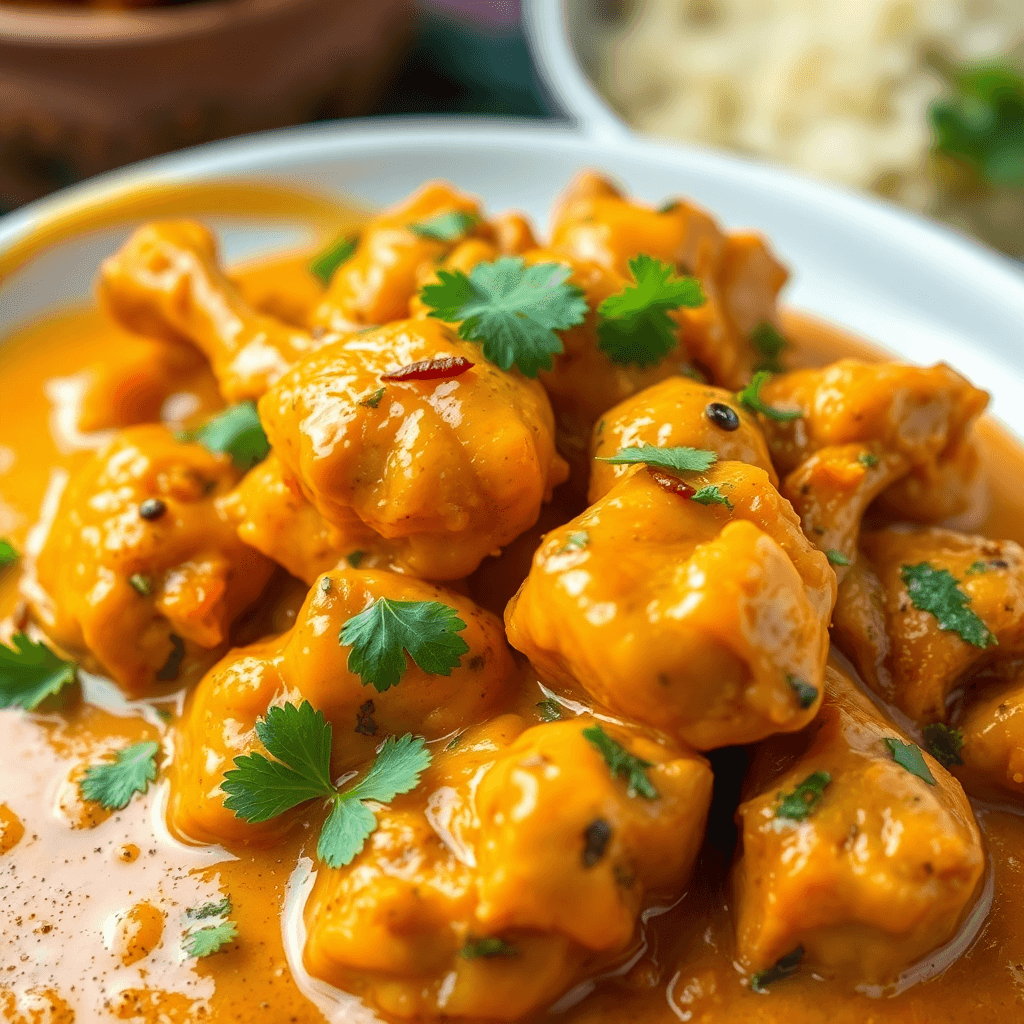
(165, 283)
(309, 662)
(990, 762)
(530, 874)
(139, 550)
(448, 464)
(707, 620)
(862, 853)
(924, 607)
(870, 430)
(397, 249)
(677, 412)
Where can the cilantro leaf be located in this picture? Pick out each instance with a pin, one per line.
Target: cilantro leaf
(909, 756)
(936, 591)
(549, 710)
(236, 431)
(710, 494)
(806, 694)
(769, 343)
(982, 122)
(220, 909)
(680, 460)
(804, 800)
(211, 939)
(786, 966)
(634, 326)
(8, 553)
(446, 227)
(976, 567)
(381, 636)
(300, 738)
(836, 557)
(867, 459)
(113, 785)
(511, 309)
(476, 948)
(326, 262)
(944, 743)
(621, 762)
(31, 672)
(750, 397)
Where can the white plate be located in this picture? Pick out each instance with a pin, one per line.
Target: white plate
(920, 290)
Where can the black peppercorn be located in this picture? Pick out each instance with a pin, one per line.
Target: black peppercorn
(152, 508)
(723, 416)
(595, 839)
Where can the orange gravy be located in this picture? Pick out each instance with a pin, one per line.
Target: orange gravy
(93, 907)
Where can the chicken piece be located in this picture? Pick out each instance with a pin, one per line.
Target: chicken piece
(992, 728)
(551, 862)
(900, 649)
(165, 283)
(376, 283)
(868, 430)
(867, 871)
(448, 470)
(139, 550)
(309, 662)
(677, 412)
(273, 516)
(708, 621)
(741, 277)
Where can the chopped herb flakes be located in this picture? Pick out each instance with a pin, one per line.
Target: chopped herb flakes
(679, 460)
(325, 263)
(710, 494)
(621, 763)
(909, 756)
(365, 725)
(299, 739)
(141, 584)
(783, 969)
(220, 909)
(113, 785)
(372, 400)
(836, 557)
(474, 949)
(936, 591)
(31, 672)
(944, 743)
(549, 710)
(804, 800)
(976, 567)
(595, 841)
(354, 558)
(750, 397)
(806, 694)
(576, 541)
(511, 309)
(634, 326)
(8, 553)
(768, 342)
(867, 459)
(382, 635)
(446, 227)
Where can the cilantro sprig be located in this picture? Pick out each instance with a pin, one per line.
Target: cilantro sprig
(299, 740)
(710, 494)
(909, 756)
(446, 227)
(936, 591)
(326, 262)
(806, 694)
(678, 460)
(213, 938)
(804, 800)
(8, 553)
(944, 743)
(750, 397)
(382, 635)
(30, 672)
(622, 763)
(511, 309)
(634, 326)
(236, 431)
(112, 785)
(769, 344)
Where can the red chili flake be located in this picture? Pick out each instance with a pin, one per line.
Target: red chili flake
(671, 483)
(430, 369)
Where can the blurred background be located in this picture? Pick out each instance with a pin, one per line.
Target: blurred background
(919, 101)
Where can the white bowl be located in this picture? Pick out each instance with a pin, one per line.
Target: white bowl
(916, 288)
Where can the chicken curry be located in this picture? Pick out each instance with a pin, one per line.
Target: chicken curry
(455, 625)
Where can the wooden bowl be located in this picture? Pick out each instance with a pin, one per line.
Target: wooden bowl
(82, 91)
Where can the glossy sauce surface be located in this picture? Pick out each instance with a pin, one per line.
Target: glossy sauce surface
(93, 909)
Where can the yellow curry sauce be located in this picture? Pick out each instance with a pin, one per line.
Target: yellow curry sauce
(95, 904)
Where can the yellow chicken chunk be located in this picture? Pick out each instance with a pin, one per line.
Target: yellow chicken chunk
(447, 469)
(677, 412)
(709, 621)
(491, 906)
(166, 283)
(139, 549)
(309, 662)
(992, 728)
(868, 430)
(867, 868)
(901, 648)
